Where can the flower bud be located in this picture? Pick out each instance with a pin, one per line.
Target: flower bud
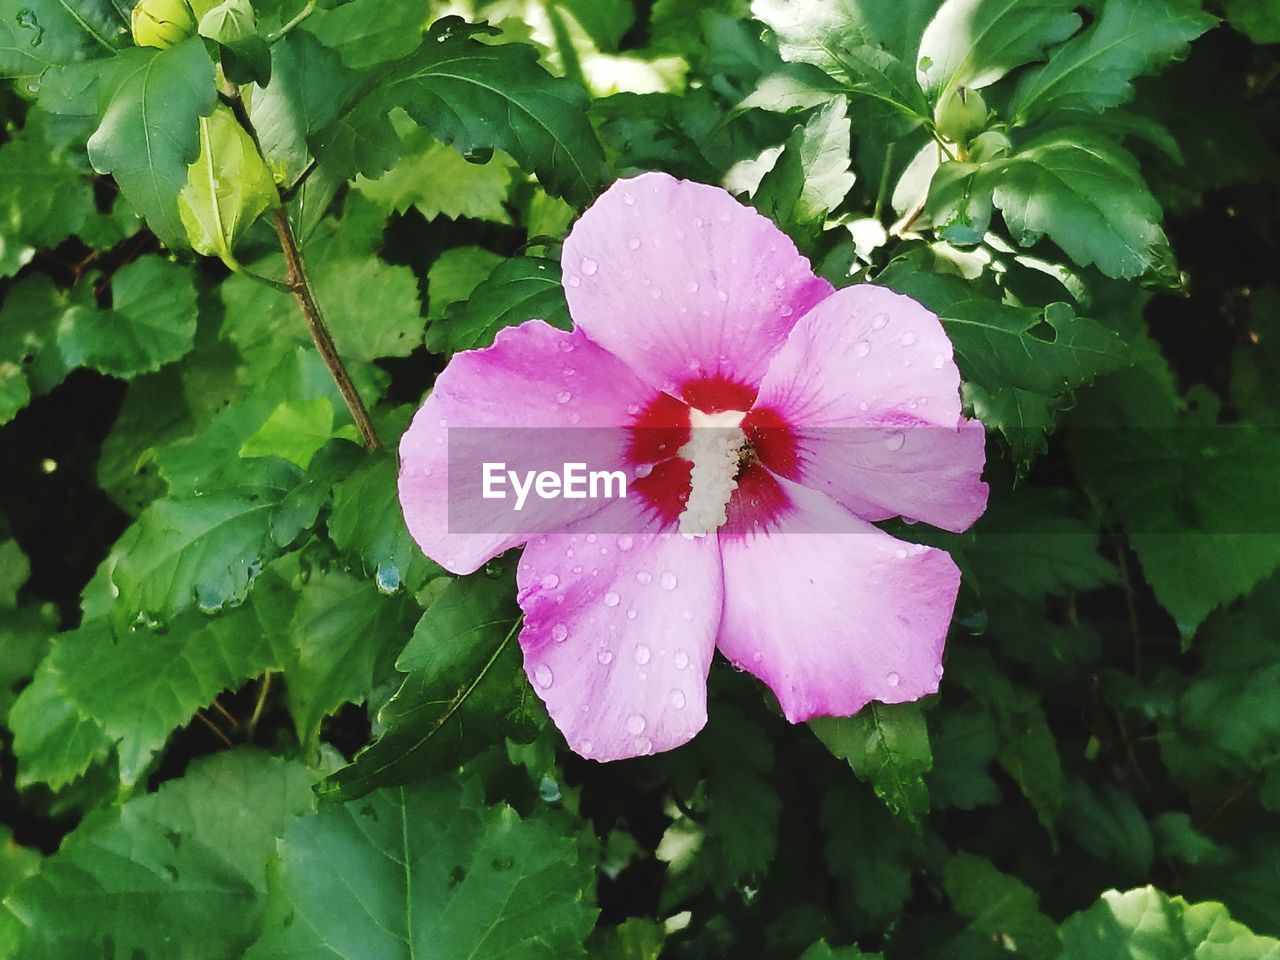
(162, 23)
(960, 114)
(989, 145)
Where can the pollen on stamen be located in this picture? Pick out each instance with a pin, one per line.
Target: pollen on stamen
(715, 446)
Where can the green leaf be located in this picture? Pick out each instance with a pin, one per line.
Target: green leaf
(152, 321)
(1019, 365)
(228, 187)
(38, 34)
(295, 431)
(365, 520)
(53, 741)
(812, 175)
(867, 45)
(1000, 906)
(466, 687)
(1196, 500)
(965, 743)
(1093, 71)
(481, 97)
(454, 277)
(142, 686)
(1107, 822)
(180, 872)
(871, 853)
(1149, 924)
(30, 361)
(1259, 20)
(343, 635)
(888, 746)
(233, 26)
(150, 130)
(369, 32)
(519, 289)
(439, 181)
(730, 838)
(1088, 196)
(959, 203)
(973, 43)
(438, 873)
(43, 197)
(1028, 751)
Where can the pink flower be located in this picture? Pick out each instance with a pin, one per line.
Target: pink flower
(834, 409)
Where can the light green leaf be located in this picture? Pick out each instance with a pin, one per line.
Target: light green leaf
(232, 25)
(959, 203)
(1088, 196)
(973, 43)
(439, 181)
(228, 187)
(888, 746)
(812, 176)
(53, 741)
(180, 872)
(150, 131)
(152, 321)
(30, 361)
(1093, 71)
(295, 431)
(1149, 924)
(1000, 906)
(439, 874)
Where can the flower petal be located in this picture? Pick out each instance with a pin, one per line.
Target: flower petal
(684, 283)
(534, 376)
(863, 403)
(831, 612)
(618, 637)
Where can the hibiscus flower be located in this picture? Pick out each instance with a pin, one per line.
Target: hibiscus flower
(767, 420)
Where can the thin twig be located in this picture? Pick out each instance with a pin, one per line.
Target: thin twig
(223, 710)
(300, 284)
(305, 12)
(214, 728)
(263, 689)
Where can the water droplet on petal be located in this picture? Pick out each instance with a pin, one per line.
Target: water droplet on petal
(908, 338)
(625, 542)
(668, 580)
(861, 348)
(642, 654)
(585, 748)
(681, 659)
(550, 581)
(893, 679)
(589, 267)
(894, 441)
(611, 599)
(878, 321)
(939, 361)
(722, 296)
(692, 286)
(633, 408)
(938, 671)
(677, 699)
(786, 310)
(566, 346)
(631, 613)
(634, 243)
(635, 723)
(687, 614)
(901, 554)
(643, 470)
(605, 657)
(564, 396)
(559, 633)
(574, 280)
(542, 675)
(628, 199)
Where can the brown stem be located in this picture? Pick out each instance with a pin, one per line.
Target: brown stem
(300, 284)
